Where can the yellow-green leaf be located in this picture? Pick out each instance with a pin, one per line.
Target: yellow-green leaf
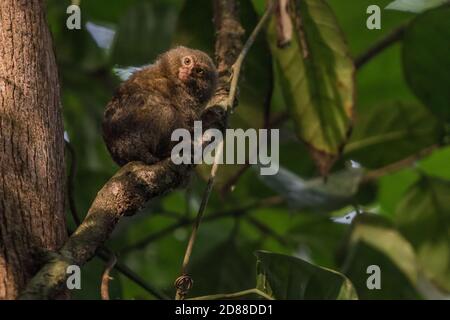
(317, 76)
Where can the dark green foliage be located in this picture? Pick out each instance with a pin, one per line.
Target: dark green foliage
(400, 108)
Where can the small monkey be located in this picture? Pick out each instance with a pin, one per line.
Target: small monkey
(146, 109)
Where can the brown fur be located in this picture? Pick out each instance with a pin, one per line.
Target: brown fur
(148, 107)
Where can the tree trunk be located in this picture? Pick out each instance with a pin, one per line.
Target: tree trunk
(31, 145)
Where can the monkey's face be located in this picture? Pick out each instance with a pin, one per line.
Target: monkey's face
(195, 70)
(199, 74)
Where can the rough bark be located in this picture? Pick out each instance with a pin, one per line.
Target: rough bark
(228, 44)
(31, 145)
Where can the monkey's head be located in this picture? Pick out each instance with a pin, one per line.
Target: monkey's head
(193, 69)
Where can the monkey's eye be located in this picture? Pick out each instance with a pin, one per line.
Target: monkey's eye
(187, 61)
(200, 72)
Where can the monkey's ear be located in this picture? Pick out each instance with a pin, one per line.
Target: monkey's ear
(125, 73)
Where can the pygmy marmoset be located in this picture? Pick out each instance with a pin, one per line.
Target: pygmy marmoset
(146, 109)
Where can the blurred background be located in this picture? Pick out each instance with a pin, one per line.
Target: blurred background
(373, 209)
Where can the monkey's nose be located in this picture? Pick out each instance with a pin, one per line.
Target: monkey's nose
(184, 74)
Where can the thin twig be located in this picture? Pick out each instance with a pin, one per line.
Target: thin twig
(235, 295)
(237, 212)
(393, 37)
(188, 198)
(266, 230)
(106, 278)
(127, 272)
(399, 165)
(184, 283)
(237, 66)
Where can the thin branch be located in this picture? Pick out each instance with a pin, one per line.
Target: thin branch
(184, 283)
(188, 199)
(266, 230)
(106, 278)
(268, 98)
(283, 23)
(392, 38)
(399, 165)
(226, 8)
(237, 66)
(237, 212)
(235, 295)
(127, 272)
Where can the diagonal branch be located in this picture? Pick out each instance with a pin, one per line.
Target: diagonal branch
(236, 212)
(103, 252)
(124, 194)
(392, 38)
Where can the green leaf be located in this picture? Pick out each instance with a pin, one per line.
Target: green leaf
(414, 5)
(241, 294)
(285, 277)
(390, 132)
(392, 187)
(423, 216)
(437, 163)
(426, 60)
(319, 88)
(374, 241)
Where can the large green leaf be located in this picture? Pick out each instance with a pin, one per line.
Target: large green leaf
(390, 132)
(423, 216)
(319, 88)
(426, 59)
(414, 5)
(285, 277)
(374, 241)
